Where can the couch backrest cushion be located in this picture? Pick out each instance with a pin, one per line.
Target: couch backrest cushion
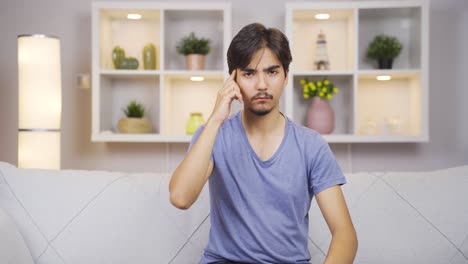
(13, 249)
(72, 216)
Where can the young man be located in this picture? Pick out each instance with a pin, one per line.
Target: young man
(263, 168)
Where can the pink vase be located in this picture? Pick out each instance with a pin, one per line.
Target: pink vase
(320, 116)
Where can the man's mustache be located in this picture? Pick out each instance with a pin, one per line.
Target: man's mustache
(263, 94)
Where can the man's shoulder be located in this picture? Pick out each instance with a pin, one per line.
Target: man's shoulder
(231, 120)
(230, 125)
(305, 134)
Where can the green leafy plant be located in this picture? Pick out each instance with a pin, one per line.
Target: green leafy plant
(134, 109)
(324, 89)
(192, 44)
(384, 47)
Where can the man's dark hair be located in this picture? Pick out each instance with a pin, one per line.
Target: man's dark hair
(253, 38)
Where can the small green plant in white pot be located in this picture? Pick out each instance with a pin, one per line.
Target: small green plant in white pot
(194, 49)
(134, 122)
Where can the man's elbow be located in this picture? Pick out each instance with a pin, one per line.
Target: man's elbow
(347, 237)
(350, 235)
(179, 201)
(352, 240)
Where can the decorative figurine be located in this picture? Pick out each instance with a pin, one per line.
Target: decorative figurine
(321, 55)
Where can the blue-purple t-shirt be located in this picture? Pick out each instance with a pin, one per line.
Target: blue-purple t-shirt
(259, 209)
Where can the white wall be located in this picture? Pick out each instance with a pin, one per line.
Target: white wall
(71, 21)
(463, 98)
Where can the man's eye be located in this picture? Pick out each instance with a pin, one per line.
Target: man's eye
(273, 72)
(248, 74)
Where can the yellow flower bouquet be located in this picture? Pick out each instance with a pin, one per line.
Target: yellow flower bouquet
(324, 89)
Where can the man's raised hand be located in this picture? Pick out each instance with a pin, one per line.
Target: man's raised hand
(228, 93)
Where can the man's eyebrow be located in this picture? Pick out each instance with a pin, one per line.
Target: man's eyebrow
(273, 67)
(248, 69)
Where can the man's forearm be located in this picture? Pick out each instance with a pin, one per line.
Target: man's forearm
(189, 178)
(343, 248)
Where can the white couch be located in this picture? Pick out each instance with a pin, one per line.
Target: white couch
(72, 216)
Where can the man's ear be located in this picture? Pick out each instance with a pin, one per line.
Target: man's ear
(286, 79)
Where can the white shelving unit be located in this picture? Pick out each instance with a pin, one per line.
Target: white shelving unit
(167, 92)
(365, 108)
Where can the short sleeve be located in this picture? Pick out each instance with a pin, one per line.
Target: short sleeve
(325, 171)
(195, 138)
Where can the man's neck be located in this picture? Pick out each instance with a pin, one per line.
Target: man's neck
(265, 125)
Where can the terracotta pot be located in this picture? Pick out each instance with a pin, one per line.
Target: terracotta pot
(134, 125)
(195, 62)
(320, 116)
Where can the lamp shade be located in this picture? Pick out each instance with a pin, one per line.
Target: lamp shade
(40, 101)
(39, 149)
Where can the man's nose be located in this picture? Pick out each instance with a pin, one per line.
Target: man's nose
(261, 82)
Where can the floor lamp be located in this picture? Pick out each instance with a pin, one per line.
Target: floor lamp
(40, 101)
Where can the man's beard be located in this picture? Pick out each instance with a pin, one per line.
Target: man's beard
(259, 112)
(264, 111)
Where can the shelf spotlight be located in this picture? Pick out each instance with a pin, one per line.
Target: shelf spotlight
(322, 16)
(134, 16)
(197, 78)
(384, 78)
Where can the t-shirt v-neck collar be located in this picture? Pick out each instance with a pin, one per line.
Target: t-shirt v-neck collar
(268, 162)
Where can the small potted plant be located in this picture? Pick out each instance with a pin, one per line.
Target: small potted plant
(384, 49)
(320, 115)
(194, 49)
(134, 121)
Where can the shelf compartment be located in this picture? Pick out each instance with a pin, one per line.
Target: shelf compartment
(116, 92)
(131, 35)
(402, 23)
(117, 137)
(339, 30)
(337, 138)
(323, 73)
(183, 96)
(129, 73)
(389, 108)
(341, 102)
(204, 23)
